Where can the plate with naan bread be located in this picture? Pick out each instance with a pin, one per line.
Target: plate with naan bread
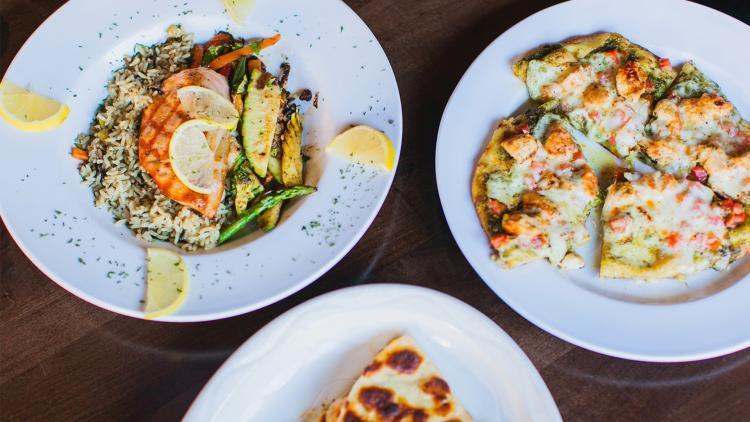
(378, 353)
(597, 176)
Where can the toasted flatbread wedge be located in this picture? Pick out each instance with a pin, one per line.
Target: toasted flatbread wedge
(695, 129)
(661, 227)
(401, 384)
(604, 83)
(533, 191)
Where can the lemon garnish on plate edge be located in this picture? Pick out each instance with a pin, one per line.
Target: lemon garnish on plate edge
(239, 10)
(29, 111)
(166, 282)
(364, 145)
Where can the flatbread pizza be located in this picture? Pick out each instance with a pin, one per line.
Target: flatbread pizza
(400, 384)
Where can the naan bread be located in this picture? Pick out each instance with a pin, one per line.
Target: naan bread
(401, 384)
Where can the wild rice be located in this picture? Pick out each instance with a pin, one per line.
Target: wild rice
(113, 171)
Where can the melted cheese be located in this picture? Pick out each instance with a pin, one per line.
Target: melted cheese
(660, 224)
(507, 187)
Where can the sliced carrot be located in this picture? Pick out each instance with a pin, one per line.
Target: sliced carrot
(79, 154)
(237, 102)
(197, 55)
(247, 50)
(269, 42)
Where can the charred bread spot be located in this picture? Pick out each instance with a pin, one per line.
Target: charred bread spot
(377, 399)
(437, 388)
(405, 361)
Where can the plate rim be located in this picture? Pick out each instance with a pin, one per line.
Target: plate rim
(213, 316)
(541, 322)
(280, 322)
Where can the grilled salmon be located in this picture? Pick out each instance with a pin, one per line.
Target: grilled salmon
(158, 124)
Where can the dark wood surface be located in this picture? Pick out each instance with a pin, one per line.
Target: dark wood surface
(64, 359)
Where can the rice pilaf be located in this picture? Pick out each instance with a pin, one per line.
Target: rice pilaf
(113, 170)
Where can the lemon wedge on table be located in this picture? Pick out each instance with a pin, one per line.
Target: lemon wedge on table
(365, 145)
(192, 155)
(206, 104)
(28, 111)
(166, 282)
(239, 10)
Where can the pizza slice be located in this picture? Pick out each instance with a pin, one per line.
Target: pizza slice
(533, 191)
(696, 131)
(604, 84)
(401, 384)
(657, 226)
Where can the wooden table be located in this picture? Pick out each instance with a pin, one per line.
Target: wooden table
(62, 358)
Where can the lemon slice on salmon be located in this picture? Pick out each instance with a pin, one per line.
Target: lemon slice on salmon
(28, 111)
(192, 156)
(207, 104)
(365, 145)
(166, 282)
(239, 10)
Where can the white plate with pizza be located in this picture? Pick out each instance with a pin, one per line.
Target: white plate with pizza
(593, 174)
(385, 348)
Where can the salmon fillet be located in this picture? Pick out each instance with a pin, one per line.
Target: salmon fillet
(158, 124)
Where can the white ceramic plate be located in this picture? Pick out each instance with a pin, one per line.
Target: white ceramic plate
(669, 320)
(313, 354)
(51, 214)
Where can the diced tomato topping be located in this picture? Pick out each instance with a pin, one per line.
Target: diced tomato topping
(523, 128)
(731, 206)
(673, 240)
(499, 240)
(734, 213)
(614, 56)
(698, 173)
(612, 139)
(665, 64)
(496, 207)
(735, 220)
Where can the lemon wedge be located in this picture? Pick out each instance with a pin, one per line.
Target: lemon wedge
(239, 10)
(364, 145)
(28, 111)
(166, 283)
(192, 156)
(207, 104)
